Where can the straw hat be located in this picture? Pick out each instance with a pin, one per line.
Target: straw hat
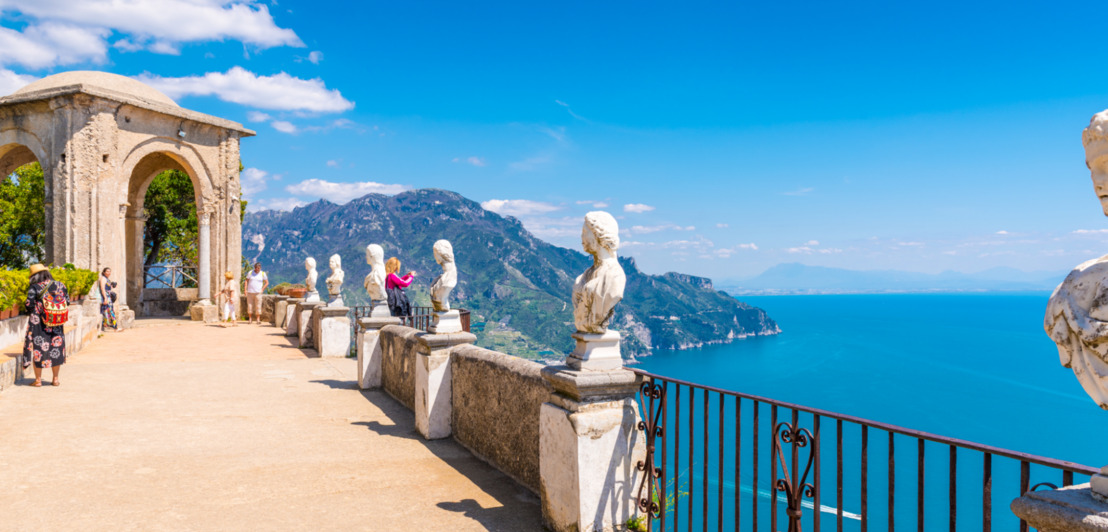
(35, 268)
(229, 275)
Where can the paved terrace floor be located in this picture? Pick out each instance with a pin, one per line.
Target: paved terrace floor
(176, 425)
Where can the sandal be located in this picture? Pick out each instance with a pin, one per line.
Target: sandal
(37, 384)
(55, 382)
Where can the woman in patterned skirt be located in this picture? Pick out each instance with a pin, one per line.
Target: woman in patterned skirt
(107, 301)
(44, 346)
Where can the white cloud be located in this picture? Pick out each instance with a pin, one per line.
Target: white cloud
(518, 207)
(342, 192)
(11, 82)
(161, 25)
(333, 163)
(570, 111)
(257, 116)
(1091, 231)
(238, 85)
(801, 249)
(800, 192)
(275, 204)
(812, 243)
(474, 160)
(558, 133)
(647, 229)
(727, 252)
(252, 181)
(284, 126)
(637, 208)
(50, 44)
(722, 226)
(531, 163)
(595, 204)
(315, 57)
(1002, 232)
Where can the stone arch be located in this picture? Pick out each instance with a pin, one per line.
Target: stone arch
(149, 158)
(19, 147)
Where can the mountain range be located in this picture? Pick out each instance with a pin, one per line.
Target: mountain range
(795, 278)
(514, 284)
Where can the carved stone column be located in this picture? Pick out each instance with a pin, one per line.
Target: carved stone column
(204, 250)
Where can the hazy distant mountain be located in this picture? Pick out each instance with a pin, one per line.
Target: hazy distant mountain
(517, 284)
(794, 278)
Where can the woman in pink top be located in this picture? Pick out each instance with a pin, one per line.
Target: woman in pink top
(395, 285)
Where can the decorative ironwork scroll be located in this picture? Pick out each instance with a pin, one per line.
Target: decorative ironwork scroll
(794, 487)
(652, 397)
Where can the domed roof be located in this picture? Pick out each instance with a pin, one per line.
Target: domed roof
(102, 80)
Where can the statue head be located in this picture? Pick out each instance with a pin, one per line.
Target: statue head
(1095, 139)
(374, 255)
(335, 262)
(309, 264)
(443, 252)
(601, 231)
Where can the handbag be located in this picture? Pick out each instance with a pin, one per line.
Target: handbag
(398, 302)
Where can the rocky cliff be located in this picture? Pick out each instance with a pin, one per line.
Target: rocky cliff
(514, 283)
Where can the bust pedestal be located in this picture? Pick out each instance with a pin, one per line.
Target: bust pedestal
(331, 331)
(304, 323)
(1063, 510)
(433, 401)
(292, 319)
(589, 448)
(379, 309)
(446, 322)
(369, 349)
(595, 352)
(280, 310)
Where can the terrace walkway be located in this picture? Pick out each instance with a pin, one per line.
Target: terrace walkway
(177, 425)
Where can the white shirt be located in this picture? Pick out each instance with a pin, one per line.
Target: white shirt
(254, 282)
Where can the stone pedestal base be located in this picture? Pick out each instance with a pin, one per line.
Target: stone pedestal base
(304, 328)
(204, 311)
(312, 297)
(433, 407)
(369, 350)
(280, 310)
(292, 318)
(126, 318)
(336, 301)
(588, 449)
(380, 309)
(1099, 485)
(331, 331)
(596, 352)
(1062, 510)
(446, 322)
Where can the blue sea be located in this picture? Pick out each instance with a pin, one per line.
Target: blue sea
(972, 366)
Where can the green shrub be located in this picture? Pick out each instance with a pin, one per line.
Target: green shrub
(78, 282)
(13, 288)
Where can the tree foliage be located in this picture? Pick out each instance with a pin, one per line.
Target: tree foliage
(23, 217)
(171, 224)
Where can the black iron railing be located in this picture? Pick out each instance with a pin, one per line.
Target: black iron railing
(688, 485)
(421, 318)
(169, 276)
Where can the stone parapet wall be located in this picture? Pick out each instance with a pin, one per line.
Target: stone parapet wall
(399, 346)
(82, 328)
(496, 404)
(268, 302)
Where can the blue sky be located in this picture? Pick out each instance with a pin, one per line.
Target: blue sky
(725, 138)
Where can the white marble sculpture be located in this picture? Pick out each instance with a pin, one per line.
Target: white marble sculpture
(596, 292)
(375, 281)
(440, 289)
(1077, 314)
(310, 280)
(334, 282)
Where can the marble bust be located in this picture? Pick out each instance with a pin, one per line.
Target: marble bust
(334, 282)
(375, 282)
(1077, 313)
(599, 288)
(444, 283)
(310, 280)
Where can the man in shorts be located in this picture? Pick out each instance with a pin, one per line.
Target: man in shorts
(255, 283)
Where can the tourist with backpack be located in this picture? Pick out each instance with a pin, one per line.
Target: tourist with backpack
(47, 307)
